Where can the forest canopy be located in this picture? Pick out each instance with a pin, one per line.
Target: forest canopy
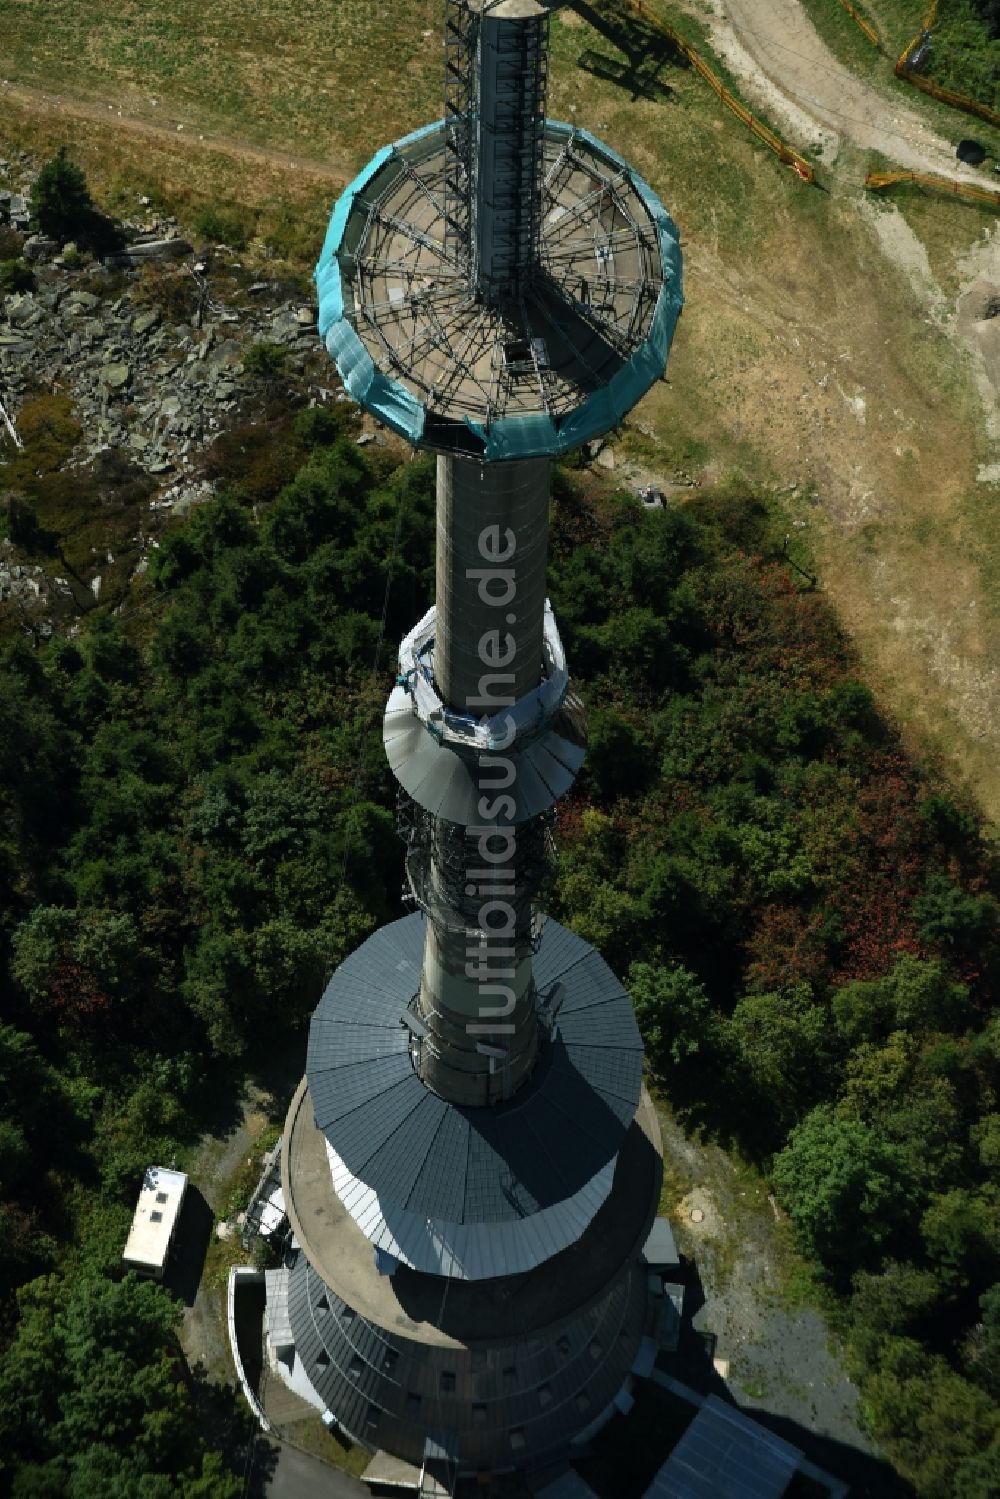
(197, 823)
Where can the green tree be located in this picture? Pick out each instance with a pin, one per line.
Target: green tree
(618, 755)
(846, 1190)
(674, 1013)
(961, 1231)
(60, 199)
(268, 360)
(916, 996)
(982, 1346)
(783, 1041)
(938, 1424)
(15, 276)
(950, 917)
(898, 1300)
(91, 1392)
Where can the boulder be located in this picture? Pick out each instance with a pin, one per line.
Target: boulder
(22, 312)
(39, 247)
(284, 328)
(81, 301)
(150, 249)
(115, 376)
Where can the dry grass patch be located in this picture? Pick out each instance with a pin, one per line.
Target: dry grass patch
(268, 72)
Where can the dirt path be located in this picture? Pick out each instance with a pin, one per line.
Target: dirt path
(777, 53)
(184, 135)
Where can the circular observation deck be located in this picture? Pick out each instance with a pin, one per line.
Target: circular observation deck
(587, 337)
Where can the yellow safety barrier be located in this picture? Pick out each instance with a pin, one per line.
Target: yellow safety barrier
(936, 90)
(785, 153)
(969, 190)
(862, 22)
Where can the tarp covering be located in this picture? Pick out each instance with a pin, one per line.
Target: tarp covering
(530, 435)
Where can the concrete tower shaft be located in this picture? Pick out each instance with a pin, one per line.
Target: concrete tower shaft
(476, 992)
(492, 546)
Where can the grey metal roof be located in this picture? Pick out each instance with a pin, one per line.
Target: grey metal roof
(660, 1249)
(472, 1165)
(392, 1390)
(568, 1485)
(445, 781)
(279, 1329)
(724, 1452)
(339, 1245)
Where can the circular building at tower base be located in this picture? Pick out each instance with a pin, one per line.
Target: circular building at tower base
(500, 1374)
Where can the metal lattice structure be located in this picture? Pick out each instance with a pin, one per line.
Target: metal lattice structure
(439, 854)
(506, 182)
(461, 33)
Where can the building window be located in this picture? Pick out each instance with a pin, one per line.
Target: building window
(517, 1438)
(509, 1377)
(322, 1305)
(322, 1359)
(356, 1365)
(390, 1359)
(583, 1402)
(544, 1394)
(412, 1404)
(161, 1196)
(595, 1350)
(479, 1415)
(156, 1217)
(347, 1316)
(447, 1382)
(374, 1412)
(562, 1347)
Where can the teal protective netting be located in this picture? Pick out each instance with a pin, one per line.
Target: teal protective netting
(534, 435)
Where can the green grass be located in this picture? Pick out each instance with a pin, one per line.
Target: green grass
(680, 141)
(964, 57)
(335, 79)
(342, 77)
(297, 76)
(979, 540)
(898, 22)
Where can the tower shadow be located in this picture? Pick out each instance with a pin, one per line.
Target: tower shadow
(693, 1364)
(645, 50)
(194, 1233)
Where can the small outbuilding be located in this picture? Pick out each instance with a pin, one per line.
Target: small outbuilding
(157, 1212)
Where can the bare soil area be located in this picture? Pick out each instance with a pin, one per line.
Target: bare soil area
(772, 1351)
(225, 1167)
